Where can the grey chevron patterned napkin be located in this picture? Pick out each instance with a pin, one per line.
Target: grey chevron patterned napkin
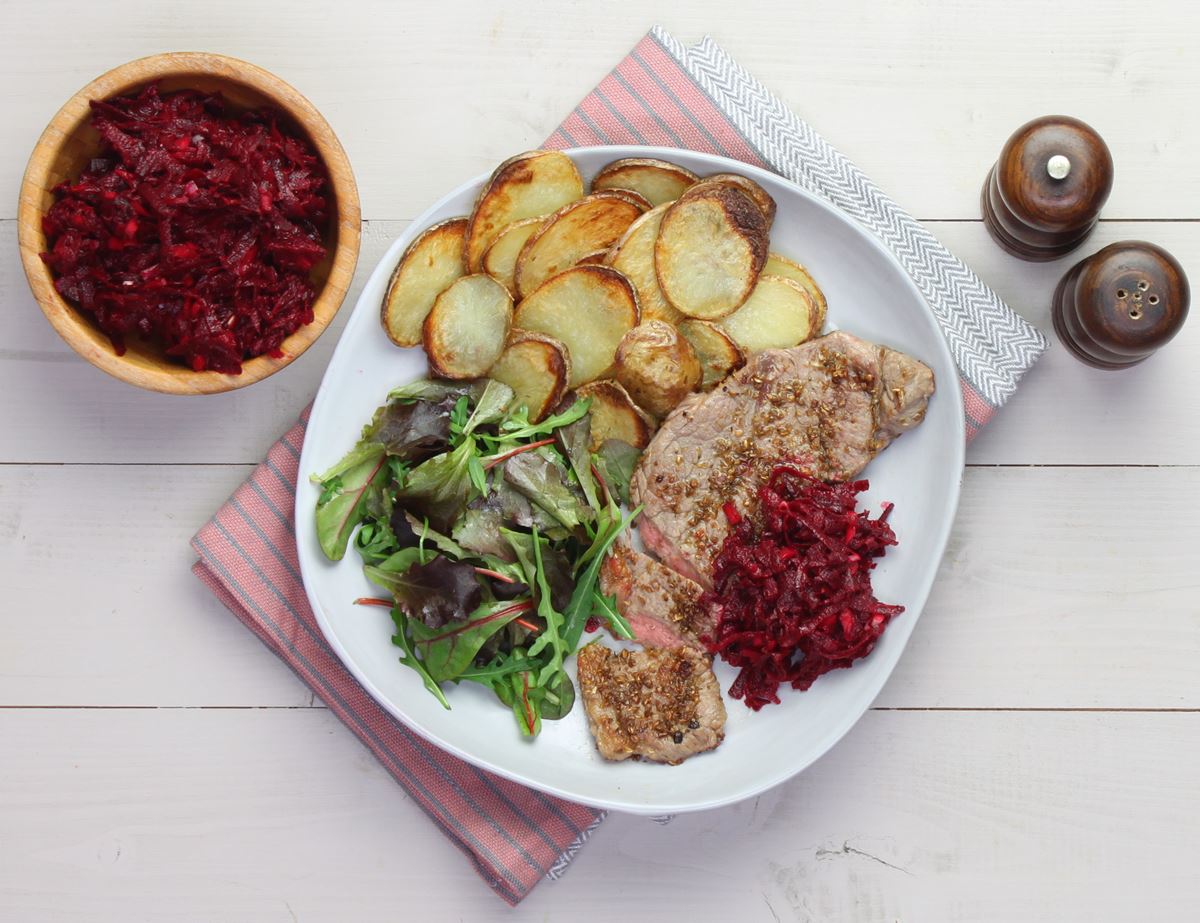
(698, 97)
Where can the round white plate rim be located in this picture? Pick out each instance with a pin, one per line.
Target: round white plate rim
(305, 527)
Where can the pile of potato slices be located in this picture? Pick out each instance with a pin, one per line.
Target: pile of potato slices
(655, 284)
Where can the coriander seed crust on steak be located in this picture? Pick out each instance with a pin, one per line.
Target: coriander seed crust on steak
(663, 607)
(829, 405)
(657, 704)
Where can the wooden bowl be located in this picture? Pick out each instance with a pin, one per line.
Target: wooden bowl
(69, 142)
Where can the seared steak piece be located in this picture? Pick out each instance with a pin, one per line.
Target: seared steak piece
(663, 607)
(830, 406)
(659, 704)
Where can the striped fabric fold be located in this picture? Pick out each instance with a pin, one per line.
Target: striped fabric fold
(513, 836)
(666, 94)
(660, 94)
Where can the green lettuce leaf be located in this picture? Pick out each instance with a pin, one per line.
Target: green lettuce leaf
(449, 650)
(574, 439)
(409, 656)
(541, 476)
(438, 489)
(490, 406)
(582, 601)
(615, 461)
(436, 390)
(343, 501)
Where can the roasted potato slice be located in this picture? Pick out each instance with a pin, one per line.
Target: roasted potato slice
(778, 265)
(718, 353)
(778, 314)
(587, 308)
(428, 266)
(575, 230)
(597, 258)
(657, 366)
(465, 331)
(635, 198)
(761, 197)
(526, 186)
(658, 181)
(711, 247)
(614, 415)
(537, 367)
(633, 255)
(500, 259)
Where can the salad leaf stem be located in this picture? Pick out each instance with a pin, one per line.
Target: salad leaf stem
(467, 626)
(548, 425)
(494, 574)
(342, 504)
(505, 456)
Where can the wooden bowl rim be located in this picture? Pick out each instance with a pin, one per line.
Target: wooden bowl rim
(79, 331)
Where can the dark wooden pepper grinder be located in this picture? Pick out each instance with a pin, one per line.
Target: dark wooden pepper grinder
(1118, 306)
(1044, 195)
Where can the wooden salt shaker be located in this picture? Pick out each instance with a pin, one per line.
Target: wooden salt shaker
(1044, 195)
(1115, 308)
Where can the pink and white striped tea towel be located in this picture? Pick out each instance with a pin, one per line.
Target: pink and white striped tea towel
(662, 94)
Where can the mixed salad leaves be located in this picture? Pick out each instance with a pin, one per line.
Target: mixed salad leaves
(488, 532)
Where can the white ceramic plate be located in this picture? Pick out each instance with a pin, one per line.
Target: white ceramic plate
(869, 295)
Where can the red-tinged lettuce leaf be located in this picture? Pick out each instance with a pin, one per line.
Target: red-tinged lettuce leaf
(517, 691)
(414, 431)
(479, 530)
(431, 594)
(449, 650)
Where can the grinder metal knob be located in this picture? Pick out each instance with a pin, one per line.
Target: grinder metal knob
(1044, 195)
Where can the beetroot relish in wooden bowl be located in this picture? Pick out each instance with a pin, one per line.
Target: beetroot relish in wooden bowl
(231, 233)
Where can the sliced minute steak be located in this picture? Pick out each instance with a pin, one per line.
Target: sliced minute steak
(830, 406)
(662, 606)
(659, 704)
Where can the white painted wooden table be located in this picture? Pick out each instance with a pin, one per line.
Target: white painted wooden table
(1035, 757)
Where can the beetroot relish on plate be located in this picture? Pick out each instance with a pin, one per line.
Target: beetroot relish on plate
(792, 588)
(194, 226)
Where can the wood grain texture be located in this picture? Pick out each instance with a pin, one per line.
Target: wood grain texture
(1046, 577)
(280, 815)
(1063, 413)
(1119, 306)
(222, 794)
(1034, 215)
(69, 142)
(420, 105)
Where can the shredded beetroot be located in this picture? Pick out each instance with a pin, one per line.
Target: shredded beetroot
(193, 226)
(793, 589)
